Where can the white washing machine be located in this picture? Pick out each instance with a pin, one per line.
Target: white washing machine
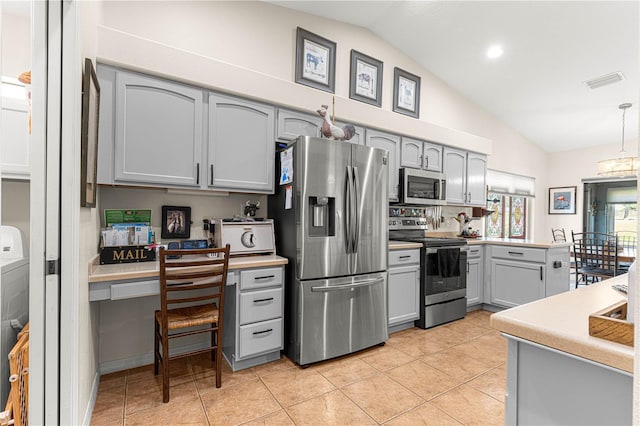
(14, 298)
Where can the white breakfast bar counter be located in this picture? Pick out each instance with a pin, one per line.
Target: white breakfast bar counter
(556, 372)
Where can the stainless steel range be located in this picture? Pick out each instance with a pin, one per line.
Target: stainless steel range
(443, 263)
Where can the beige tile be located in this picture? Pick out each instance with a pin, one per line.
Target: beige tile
(107, 418)
(113, 380)
(490, 349)
(419, 344)
(184, 412)
(466, 330)
(279, 418)
(387, 358)
(381, 398)
(177, 367)
(470, 406)
(283, 363)
(458, 363)
(423, 379)
(141, 398)
(426, 414)
(295, 385)
(153, 384)
(240, 403)
(206, 379)
(346, 371)
(493, 383)
(444, 337)
(332, 408)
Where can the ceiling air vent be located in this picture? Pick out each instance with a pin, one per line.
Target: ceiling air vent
(603, 80)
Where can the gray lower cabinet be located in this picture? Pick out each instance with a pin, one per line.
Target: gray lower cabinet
(404, 288)
(391, 143)
(158, 131)
(517, 275)
(253, 318)
(292, 124)
(241, 144)
(475, 275)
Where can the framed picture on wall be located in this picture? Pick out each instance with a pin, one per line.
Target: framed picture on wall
(406, 93)
(176, 222)
(562, 200)
(89, 135)
(315, 61)
(365, 82)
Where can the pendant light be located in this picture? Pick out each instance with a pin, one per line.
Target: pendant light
(623, 166)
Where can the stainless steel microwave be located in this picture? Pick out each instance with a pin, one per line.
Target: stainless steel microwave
(422, 188)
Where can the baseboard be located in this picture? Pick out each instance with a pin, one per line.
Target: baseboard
(86, 421)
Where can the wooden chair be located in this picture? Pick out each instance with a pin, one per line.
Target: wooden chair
(558, 235)
(596, 255)
(192, 284)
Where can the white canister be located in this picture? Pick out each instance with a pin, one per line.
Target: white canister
(631, 290)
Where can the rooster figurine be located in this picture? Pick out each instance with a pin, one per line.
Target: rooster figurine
(330, 130)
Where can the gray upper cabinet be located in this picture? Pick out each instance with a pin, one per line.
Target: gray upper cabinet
(391, 143)
(292, 124)
(158, 131)
(241, 144)
(466, 177)
(418, 154)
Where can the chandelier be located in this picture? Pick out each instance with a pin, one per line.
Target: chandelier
(622, 166)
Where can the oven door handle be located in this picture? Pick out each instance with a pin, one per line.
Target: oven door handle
(431, 250)
(365, 283)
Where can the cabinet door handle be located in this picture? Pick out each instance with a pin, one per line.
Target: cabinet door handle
(263, 300)
(266, 277)
(427, 165)
(519, 253)
(422, 162)
(211, 174)
(269, 330)
(541, 274)
(198, 173)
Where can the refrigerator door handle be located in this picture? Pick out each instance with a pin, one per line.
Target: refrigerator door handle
(364, 283)
(347, 211)
(356, 210)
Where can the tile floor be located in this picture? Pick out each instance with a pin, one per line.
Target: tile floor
(452, 374)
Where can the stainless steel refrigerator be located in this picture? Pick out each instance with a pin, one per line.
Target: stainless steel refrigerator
(331, 223)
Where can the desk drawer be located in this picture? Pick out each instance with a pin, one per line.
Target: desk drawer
(259, 278)
(135, 289)
(519, 253)
(404, 257)
(260, 305)
(260, 337)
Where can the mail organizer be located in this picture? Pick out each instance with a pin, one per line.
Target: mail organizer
(126, 254)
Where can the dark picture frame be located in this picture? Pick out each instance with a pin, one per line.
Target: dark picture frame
(176, 222)
(89, 135)
(315, 61)
(365, 82)
(562, 200)
(406, 93)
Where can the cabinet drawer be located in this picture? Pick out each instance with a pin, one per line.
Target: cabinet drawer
(135, 289)
(518, 253)
(258, 278)
(474, 252)
(260, 305)
(404, 257)
(260, 337)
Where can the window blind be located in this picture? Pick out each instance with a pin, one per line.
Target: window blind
(510, 184)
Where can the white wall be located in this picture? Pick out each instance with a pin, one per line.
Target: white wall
(16, 44)
(16, 207)
(568, 168)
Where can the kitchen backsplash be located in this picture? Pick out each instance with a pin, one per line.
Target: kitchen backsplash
(211, 205)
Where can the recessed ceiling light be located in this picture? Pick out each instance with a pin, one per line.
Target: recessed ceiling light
(495, 52)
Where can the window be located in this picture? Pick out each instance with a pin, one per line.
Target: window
(509, 198)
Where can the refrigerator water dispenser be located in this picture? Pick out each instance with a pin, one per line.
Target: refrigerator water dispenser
(322, 212)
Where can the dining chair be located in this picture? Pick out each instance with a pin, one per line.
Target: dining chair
(192, 284)
(596, 256)
(558, 235)
(628, 242)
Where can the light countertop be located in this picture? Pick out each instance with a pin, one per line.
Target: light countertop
(516, 242)
(129, 271)
(399, 245)
(562, 322)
